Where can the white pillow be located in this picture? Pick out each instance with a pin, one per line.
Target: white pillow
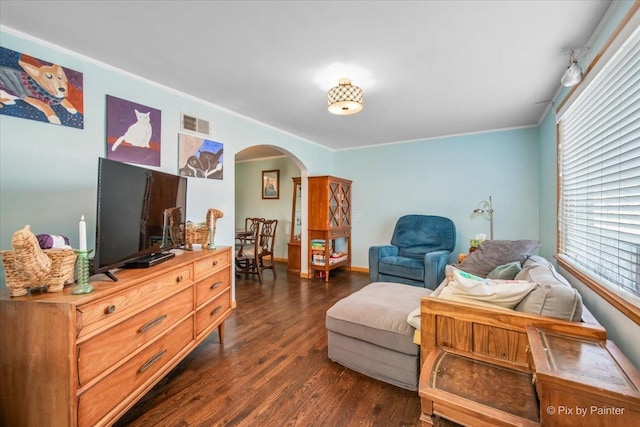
(466, 287)
(414, 318)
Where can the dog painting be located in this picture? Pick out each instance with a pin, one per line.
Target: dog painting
(133, 132)
(35, 89)
(199, 157)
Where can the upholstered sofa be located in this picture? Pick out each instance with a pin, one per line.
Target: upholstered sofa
(377, 330)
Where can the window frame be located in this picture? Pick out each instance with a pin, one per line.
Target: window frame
(622, 32)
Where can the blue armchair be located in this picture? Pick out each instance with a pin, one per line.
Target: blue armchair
(420, 249)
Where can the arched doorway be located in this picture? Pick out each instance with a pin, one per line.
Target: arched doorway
(250, 166)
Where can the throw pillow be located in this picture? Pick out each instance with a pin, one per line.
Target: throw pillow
(474, 289)
(492, 253)
(414, 318)
(553, 296)
(505, 272)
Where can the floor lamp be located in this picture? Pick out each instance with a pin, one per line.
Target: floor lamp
(484, 210)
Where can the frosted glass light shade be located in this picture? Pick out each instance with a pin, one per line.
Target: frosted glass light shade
(572, 76)
(345, 98)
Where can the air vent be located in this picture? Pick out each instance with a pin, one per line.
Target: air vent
(195, 124)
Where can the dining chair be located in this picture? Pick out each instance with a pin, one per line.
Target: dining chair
(247, 247)
(267, 245)
(254, 258)
(251, 224)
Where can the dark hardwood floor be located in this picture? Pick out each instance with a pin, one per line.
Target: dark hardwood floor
(273, 368)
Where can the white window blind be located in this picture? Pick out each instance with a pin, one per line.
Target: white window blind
(599, 181)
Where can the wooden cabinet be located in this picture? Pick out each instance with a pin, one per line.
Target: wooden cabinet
(84, 360)
(329, 223)
(571, 376)
(295, 241)
(582, 381)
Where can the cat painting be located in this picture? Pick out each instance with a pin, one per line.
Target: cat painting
(133, 132)
(138, 134)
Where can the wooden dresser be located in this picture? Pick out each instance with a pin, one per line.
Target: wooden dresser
(84, 360)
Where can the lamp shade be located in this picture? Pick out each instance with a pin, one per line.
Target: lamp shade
(479, 214)
(572, 76)
(345, 98)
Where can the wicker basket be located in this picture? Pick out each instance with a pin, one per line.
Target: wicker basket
(62, 271)
(196, 234)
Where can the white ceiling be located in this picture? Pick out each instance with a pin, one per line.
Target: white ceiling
(428, 68)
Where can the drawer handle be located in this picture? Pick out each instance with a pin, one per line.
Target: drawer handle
(215, 310)
(215, 262)
(533, 379)
(110, 310)
(151, 324)
(151, 361)
(216, 285)
(527, 349)
(180, 278)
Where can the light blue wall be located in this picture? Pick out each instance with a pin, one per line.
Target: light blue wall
(446, 177)
(548, 185)
(48, 173)
(619, 328)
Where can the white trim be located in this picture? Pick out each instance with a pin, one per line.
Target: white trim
(259, 159)
(433, 138)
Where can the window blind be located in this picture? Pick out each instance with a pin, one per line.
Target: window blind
(599, 175)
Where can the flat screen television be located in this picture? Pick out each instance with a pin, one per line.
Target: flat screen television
(131, 213)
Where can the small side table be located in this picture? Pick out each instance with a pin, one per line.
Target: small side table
(580, 381)
(474, 392)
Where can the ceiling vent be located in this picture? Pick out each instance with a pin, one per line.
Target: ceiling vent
(194, 124)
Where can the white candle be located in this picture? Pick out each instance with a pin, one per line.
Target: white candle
(82, 231)
(165, 222)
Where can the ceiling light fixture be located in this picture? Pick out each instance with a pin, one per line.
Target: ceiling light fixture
(345, 98)
(573, 75)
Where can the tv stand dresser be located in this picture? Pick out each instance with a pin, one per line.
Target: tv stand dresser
(84, 360)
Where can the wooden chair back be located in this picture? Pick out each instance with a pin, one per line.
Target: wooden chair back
(268, 236)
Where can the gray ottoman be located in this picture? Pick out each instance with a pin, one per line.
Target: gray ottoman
(368, 332)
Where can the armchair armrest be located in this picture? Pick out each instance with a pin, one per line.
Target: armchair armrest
(375, 254)
(434, 266)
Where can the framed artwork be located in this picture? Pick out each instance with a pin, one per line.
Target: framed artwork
(133, 132)
(34, 89)
(200, 157)
(271, 184)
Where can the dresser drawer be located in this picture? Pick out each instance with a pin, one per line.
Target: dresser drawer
(213, 312)
(212, 286)
(100, 313)
(112, 346)
(119, 387)
(208, 265)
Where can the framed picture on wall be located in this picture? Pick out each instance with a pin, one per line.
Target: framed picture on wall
(36, 89)
(271, 184)
(200, 157)
(133, 132)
